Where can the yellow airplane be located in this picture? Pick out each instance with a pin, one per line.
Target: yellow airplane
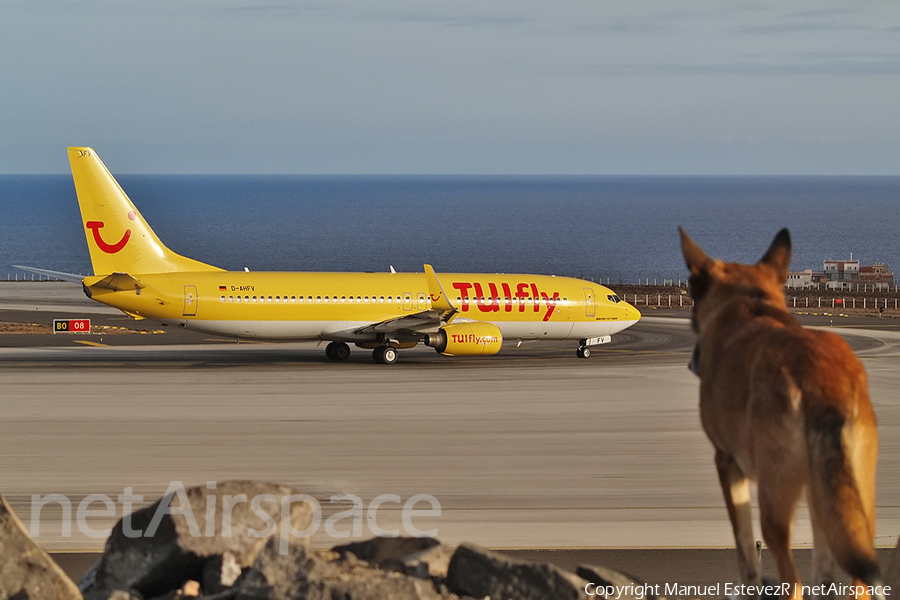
(458, 314)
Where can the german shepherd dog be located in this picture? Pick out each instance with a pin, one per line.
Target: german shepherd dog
(789, 408)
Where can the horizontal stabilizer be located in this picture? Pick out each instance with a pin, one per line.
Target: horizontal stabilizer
(73, 277)
(116, 282)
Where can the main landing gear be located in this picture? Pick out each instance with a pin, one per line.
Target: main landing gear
(338, 351)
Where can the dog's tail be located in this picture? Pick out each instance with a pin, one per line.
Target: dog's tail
(842, 452)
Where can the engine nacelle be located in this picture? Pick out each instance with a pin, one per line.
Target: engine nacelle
(466, 339)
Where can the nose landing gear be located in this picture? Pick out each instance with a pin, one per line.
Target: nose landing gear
(384, 355)
(584, 350)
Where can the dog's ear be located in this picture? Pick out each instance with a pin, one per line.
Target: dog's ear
(778, 256)
(694, 257)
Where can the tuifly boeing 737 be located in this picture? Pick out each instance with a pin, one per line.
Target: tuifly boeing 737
(457, 314)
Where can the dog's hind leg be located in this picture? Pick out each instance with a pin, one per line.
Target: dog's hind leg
(824, 564)
(778, 494)
(736, 489)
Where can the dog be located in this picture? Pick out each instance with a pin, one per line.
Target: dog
(787, 407)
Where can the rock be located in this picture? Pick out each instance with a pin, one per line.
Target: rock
(419, 557)
(157, 549)
(328, 575)
(220, 573)
(26, 570)
(435, 561)
(191, 589)
(627, 587)
(122, 595)
(380, 550)
(478, 572)
(276, 575)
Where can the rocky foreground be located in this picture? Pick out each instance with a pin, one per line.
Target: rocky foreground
(190, 555)
(183, 546)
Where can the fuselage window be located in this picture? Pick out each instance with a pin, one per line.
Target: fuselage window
(254, 298)
(238, 298)
(231, 298)
(318, 298)
(222, 298)
(343, 298)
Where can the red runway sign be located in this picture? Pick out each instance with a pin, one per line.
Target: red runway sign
(71, 325)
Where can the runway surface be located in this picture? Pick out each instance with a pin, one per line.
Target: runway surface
(533, 448)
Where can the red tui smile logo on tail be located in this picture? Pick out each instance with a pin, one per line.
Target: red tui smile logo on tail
(96, 226)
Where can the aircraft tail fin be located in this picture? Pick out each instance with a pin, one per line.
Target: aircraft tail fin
(118, 237)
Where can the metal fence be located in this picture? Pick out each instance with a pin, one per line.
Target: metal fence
(811, 302)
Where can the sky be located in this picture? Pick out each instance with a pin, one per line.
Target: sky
(588, 87)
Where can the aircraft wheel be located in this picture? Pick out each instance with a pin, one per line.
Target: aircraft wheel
(329, 350)
(389, 356)
(341, 351)
(385, 355)
(584, 352)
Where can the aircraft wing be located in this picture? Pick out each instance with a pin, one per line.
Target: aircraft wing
(417, 323)
(73, 277)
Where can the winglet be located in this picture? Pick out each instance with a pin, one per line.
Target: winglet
(439, 300)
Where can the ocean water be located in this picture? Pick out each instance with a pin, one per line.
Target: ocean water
(618, 228)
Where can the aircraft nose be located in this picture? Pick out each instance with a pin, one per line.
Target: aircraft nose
(631, 313)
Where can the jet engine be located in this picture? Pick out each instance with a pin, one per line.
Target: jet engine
(466, 339)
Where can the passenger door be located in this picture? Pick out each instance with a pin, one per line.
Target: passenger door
(190, 301)
(589, 307)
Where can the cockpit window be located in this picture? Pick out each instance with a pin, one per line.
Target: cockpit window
(613, 298)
